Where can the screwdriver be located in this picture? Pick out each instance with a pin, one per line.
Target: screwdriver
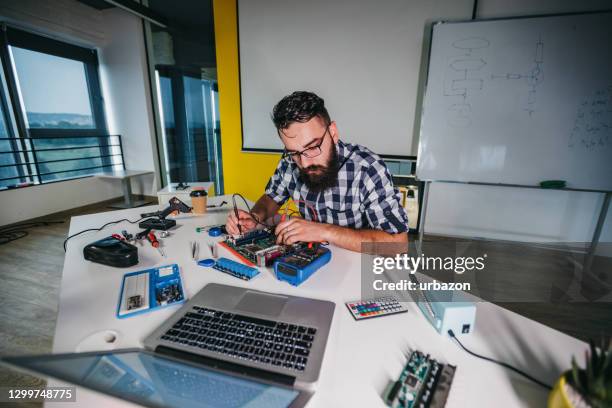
(155, 243)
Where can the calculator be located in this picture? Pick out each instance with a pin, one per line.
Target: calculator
(377, 307)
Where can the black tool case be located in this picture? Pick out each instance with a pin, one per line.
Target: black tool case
(112, 252)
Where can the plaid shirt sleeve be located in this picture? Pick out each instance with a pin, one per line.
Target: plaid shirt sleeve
(276, 188)
(381, 201)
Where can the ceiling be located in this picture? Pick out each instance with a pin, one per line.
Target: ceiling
(189, 22)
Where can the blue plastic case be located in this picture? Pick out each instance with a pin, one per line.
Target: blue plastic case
(296, 268)
(148, 290)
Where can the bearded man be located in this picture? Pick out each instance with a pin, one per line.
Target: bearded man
(343, 191)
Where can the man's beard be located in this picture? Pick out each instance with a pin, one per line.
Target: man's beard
(326, 177)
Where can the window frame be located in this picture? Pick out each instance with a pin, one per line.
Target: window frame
(213, 142)
(88, 56)
(22, 138)
(12, 140)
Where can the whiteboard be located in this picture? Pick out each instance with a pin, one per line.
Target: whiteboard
(520, 101)
(362, 57)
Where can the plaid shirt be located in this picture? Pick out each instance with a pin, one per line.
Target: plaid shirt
(364, 196)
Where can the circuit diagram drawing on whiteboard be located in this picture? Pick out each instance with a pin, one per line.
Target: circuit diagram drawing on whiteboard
(519, 101)
(532, 78)
(462, 78)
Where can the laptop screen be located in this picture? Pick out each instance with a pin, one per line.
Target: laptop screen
(157, 381)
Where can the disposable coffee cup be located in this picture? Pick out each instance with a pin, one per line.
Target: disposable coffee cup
(198, 201)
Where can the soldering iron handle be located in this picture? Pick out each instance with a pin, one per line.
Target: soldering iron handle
(143, 233)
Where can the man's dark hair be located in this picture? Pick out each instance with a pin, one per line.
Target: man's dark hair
(300, 106)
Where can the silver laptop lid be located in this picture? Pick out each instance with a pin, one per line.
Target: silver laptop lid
(159, 381)
(284, 309)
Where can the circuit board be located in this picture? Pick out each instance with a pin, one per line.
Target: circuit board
(168, 293)
(424, 382)
(150, 289)
(259, 247)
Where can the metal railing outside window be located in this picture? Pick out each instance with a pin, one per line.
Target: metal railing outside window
(37, 160)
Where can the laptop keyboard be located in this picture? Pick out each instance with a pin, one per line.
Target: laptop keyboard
(264, 341)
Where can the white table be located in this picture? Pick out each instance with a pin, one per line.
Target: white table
(126, 185)
(361, 357)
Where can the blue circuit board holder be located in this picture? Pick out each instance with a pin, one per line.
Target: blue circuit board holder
(149, 290)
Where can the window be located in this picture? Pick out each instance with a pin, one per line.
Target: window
(52, 89)
(183, 61)
(191, 140)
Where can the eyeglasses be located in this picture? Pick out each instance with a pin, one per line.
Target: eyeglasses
(312, 151)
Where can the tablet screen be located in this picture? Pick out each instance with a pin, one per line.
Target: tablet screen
(153, 380)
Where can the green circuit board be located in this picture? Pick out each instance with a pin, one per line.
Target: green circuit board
(259, 247)
(249, 251)
(424, 382)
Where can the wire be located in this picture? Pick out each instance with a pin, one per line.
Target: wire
(255, 218)
(291, 213)
(7, 237)
(101, 228)
(309, 206)
(18, 231)
(236, 213)
(258, 221)
(29, 224)
(243, 199)
(501, 363)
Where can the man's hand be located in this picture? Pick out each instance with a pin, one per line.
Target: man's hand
(298, 229)
(245, 219)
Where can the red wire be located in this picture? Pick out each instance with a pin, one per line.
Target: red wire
(310, 207)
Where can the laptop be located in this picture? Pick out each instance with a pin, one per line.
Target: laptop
(225, 347)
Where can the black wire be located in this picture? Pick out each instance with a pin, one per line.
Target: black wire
(243, 199)
(236, 213)
(5, 238)
(18, 231)
(255, 218)
(101, 228)
(501, 363)
(29, 225)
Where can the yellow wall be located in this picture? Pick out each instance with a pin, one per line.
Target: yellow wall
(244, 173)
